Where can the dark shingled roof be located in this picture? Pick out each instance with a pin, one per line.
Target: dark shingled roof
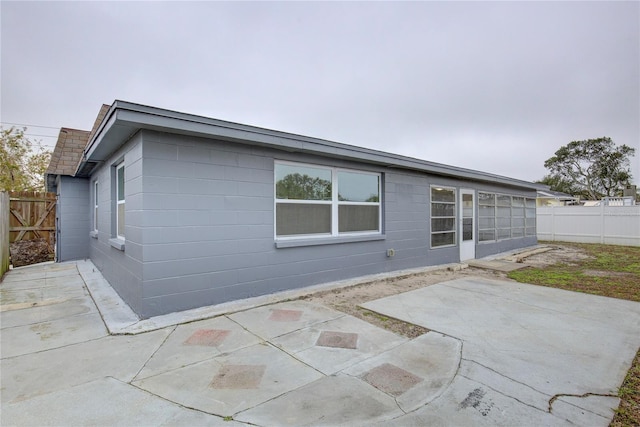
(68, 151)
(71, 143)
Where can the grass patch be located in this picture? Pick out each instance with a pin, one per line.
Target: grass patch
(611, 271)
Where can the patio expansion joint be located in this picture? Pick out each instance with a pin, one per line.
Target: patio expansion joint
(153, 354)
(500, 391)
(56, 348)
(181, 405)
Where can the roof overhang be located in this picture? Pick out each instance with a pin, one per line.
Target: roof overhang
(125, 119)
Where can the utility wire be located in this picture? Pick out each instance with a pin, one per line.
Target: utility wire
(33, 126)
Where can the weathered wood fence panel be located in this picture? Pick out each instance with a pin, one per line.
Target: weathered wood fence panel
(612, 225)
(4, 232)
(32, 215)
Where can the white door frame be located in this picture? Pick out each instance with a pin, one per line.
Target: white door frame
(467, 217)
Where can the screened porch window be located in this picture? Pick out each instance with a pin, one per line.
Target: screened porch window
(443, 217)
(505, 217)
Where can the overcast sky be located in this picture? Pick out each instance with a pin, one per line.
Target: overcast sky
(491, 86)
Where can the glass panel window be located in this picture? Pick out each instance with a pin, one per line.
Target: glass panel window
(308, 205)
(358, 187)
(354, 218)
(505, 217)
(95, 205)
(487, 235)
(443, 209)
(303, 183)
(299, 218)
(443, 217)
(120, 211)
(486, 217)
(502, 200)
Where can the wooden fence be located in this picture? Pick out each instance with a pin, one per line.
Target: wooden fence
(32, 215)
(4, 232)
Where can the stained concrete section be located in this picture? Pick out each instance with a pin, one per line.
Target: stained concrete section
(330, 401)
(104, 402)
(196, 342)
(257, 374)
(470, 403)
(46, 307)
(531, 343)
(498, 353)
(414, 373)
(275, 320)
(121, 357)
(367, 341)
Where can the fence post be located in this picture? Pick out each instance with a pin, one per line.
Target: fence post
(602, 222)
(4, 232)
(553, 223)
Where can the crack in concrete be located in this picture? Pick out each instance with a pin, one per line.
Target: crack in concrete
(153, 354)
(501, 392)
(177, 403)
(580, 396)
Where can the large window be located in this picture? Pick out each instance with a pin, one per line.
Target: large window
(505, 217)
(120, 200)
(316, 200)
(443, 216)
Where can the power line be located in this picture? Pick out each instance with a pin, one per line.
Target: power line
(46, 136)
(33, 126)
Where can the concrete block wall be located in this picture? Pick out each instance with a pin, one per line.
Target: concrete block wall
(122, 268)
(200, 225)
(72, 211)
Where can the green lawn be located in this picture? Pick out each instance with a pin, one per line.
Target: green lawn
(611, 271)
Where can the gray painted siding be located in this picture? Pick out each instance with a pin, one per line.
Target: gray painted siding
(123, 269)
(72, 212)
(201, 223)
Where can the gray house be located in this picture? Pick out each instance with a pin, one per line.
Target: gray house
(180, 211)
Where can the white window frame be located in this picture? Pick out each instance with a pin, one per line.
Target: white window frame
(527, 231)
(455, 216)
(95, 205)
(334, 203)
(118, 201)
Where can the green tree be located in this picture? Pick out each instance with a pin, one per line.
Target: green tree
(592, 168)
(557, 183)
(303, 187)
(22, 161)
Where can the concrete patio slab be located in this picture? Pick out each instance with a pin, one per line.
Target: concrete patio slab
(470, 403)
(274, 320)
(306, 344)
(256, 374)
(105, 402)
(45, 313)
(499, 353)
(198, 341)
(506, 328)
(42, 336)
(496, 264)
(34, 374)
(330, 401)
(431, 359)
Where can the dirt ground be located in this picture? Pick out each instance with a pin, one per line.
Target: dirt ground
(348, 299)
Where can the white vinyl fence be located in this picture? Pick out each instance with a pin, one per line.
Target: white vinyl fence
(613, 225)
